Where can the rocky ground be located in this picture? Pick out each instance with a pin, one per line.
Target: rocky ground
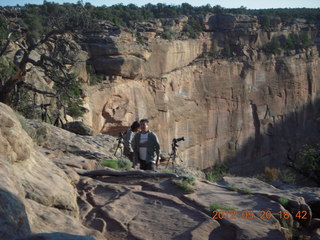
(43, 197)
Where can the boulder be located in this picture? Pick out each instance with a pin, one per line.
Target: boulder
(126, 66)
(36, 196)
(79, 127)
(56, 236)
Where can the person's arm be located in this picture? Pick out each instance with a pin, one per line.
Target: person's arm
(130, 141)
(134, 145)
(157, 149)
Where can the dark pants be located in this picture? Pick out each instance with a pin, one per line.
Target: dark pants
(144, 165)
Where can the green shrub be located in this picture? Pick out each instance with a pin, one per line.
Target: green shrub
(168, 33)
(6, 68)
(193, 28)
(3, 31)
(124, 163)
(69, 90)
(305, 40)
(110, 163)
(185, 186)
(121, 164)
(246, 191)
(94, 78)
(190, 179)
(308, 162)
(292, 42)
(74, 109)
(266, 22)
(167, 171)
(216, 206)
(283, 201)
(217, 172)
(232, 187)
(287, 176)
(226, 52)
(273, 46)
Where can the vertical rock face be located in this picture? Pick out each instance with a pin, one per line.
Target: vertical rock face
(239, 104)
(242, 108)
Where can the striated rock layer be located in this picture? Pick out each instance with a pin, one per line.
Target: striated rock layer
(243, 109)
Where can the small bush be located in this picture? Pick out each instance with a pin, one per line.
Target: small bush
(272, 174)
(216, 206)
(305, 40)
(193, 28)
(273, 46)
(168, 33)
(124, 164)
(288, 176)
(217, 172)
(308, 162)
(292, 42)
(190, 179)
(246, 191)
(110, 163)
(283, 201)
(227, 51)
(167, 171)
(94, 78)
(185, 186)
(266, 22)
(232, 187)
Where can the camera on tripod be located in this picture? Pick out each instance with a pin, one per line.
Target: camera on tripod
(175, 140)
(174, 152)
(120, 143)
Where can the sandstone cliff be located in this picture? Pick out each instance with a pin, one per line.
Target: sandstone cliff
(240, 108)
(229, 97)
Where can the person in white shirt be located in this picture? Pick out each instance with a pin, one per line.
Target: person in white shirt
(146, 147)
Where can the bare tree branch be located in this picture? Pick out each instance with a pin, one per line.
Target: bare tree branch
(34, 89)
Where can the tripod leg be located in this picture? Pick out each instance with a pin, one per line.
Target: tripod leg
(168, 162)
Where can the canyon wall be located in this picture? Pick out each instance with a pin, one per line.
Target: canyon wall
(229, 97)
(248, 108)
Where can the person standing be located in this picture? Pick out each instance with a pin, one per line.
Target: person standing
(146, 147)
(127, 141)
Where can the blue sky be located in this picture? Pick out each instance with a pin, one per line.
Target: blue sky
(252, 4)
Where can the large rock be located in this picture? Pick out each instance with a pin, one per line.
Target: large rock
(79, 127)
(126, 66)
(149, 214)
(56, 236)
(244, 227)
(14, 220)
(55, 139)
(32, 187)
(298, 198)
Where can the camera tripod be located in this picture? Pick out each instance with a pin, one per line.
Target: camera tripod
(174, 153)
(120, 145)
